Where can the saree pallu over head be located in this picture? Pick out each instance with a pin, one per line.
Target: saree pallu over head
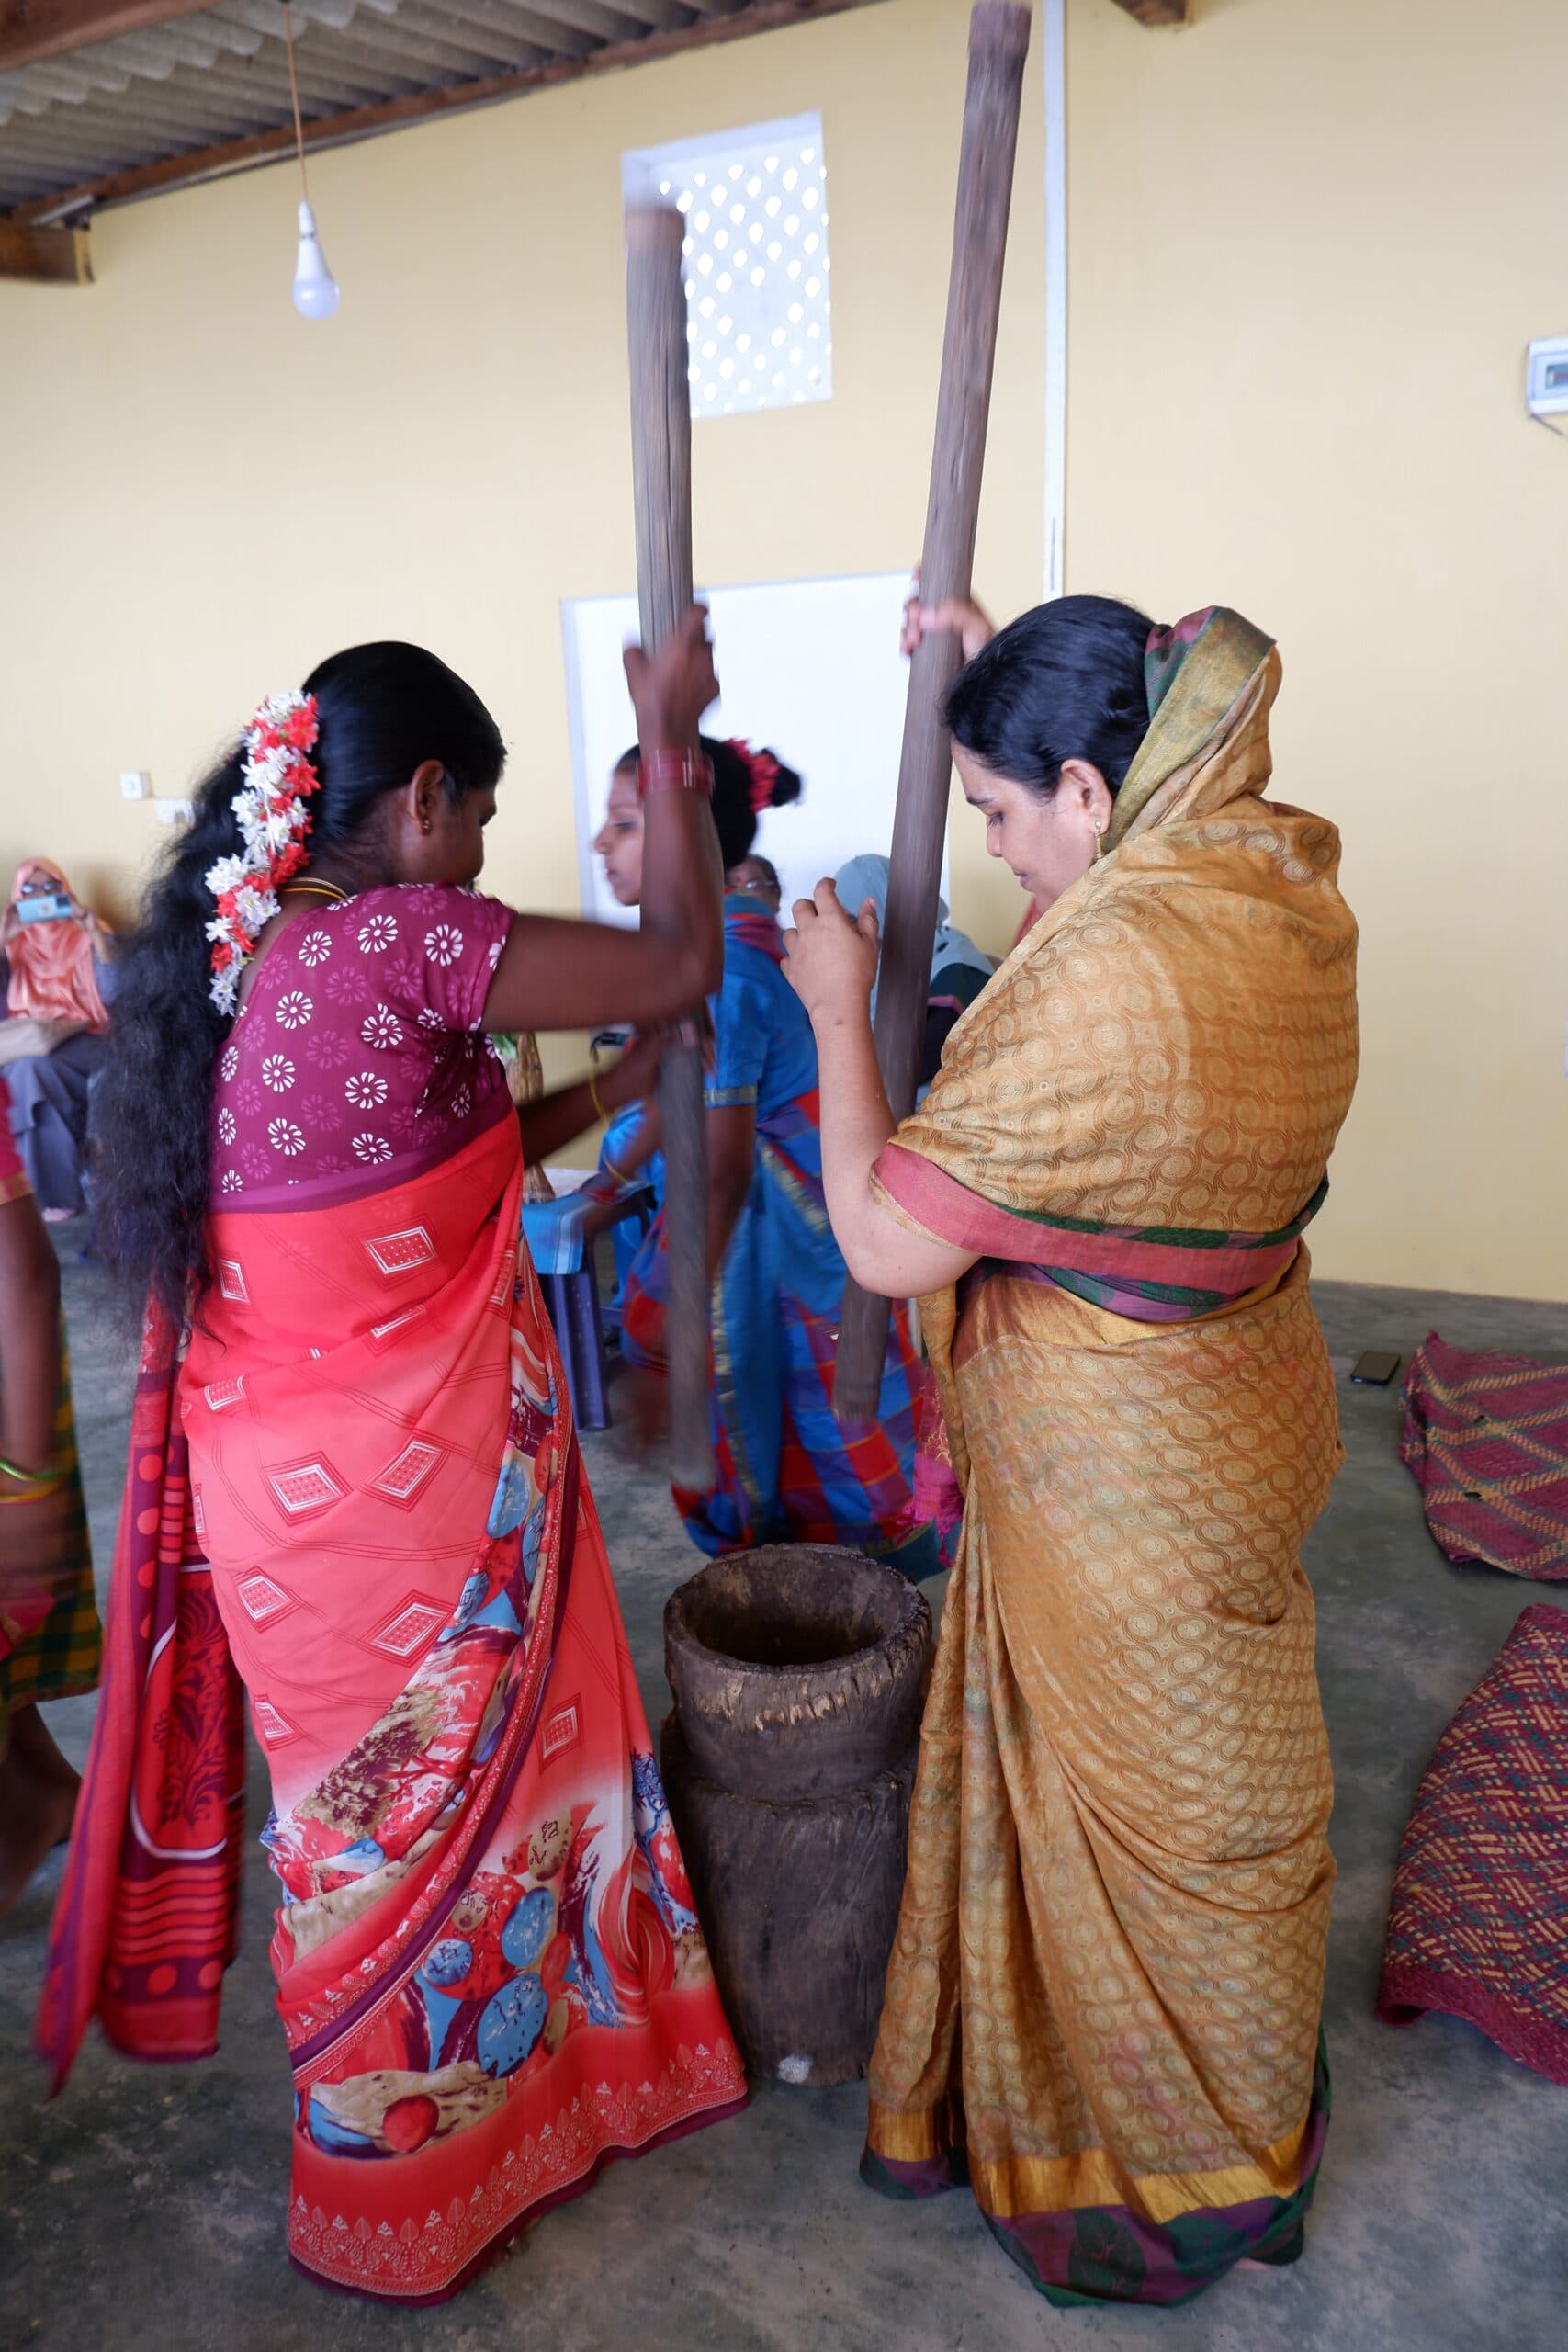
(1119, 1878)
(50, 968)
(363, 1490)
(1142, 1102)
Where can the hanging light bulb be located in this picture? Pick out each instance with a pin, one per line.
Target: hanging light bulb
(316, 293)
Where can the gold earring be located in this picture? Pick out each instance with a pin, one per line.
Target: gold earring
(1099, 850)
(424, 824)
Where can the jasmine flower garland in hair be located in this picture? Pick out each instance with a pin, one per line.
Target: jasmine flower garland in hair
(272, 807)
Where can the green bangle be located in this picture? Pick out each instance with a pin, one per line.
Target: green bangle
(41, 1480)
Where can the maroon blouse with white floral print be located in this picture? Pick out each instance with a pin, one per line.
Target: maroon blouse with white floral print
(357, 1058)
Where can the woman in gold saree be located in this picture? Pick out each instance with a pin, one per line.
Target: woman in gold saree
(1102, 2008)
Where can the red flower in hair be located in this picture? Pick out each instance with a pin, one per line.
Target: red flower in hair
(292, 730)
(763, 771)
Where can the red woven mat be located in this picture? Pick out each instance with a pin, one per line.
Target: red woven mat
(1478, 1925)
(1486, 1439)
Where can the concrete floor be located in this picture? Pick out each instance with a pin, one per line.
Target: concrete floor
(144, 2208)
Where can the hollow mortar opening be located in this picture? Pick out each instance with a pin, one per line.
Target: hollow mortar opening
(784, 1617)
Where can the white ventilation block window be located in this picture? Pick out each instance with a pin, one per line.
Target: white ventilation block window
(756, 268)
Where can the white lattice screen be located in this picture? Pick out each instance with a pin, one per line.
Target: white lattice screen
(757, 264)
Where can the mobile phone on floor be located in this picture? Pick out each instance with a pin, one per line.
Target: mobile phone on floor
(1375, 1369)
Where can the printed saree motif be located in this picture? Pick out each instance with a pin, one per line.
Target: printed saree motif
(148, 1914)
(1103, 2003)
(489, 1972)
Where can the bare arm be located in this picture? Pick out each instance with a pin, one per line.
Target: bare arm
(29, 1336)
(558, 1119)
(732, 1141)
(37, 1557)
(831, 966)
(646, 1138)
(555, 974)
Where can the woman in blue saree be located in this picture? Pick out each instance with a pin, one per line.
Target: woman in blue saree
(786, 1471)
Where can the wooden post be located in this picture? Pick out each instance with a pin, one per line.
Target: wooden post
(49, 256)
(662, 492)
(1156, 12)
(999, 42)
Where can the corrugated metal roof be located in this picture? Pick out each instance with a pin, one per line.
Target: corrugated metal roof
(73, 126)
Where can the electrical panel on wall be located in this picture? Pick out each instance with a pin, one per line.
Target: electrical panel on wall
(758, 323)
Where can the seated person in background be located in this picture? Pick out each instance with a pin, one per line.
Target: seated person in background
(759, 879)
(959, 970)
(56, 976)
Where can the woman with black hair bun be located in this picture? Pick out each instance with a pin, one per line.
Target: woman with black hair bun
(354, 1488)
(786, 1471)
(1102, 2009)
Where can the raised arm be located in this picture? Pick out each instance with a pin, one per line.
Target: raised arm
(732, 1150)
(555, 974)
(558, 1119)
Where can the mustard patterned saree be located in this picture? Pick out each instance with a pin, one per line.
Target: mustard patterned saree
(1102, 2008)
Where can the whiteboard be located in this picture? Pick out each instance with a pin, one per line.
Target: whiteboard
(810, 669)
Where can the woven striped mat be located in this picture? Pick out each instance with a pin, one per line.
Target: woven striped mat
(1487, 1441)
(1478, 1925)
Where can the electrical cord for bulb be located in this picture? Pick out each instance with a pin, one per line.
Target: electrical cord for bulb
(294, 95)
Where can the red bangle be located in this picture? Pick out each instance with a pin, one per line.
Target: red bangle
(668, 771)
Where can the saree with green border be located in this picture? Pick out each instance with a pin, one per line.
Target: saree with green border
(1102, 2009)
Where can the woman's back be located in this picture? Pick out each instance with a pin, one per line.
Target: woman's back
(358, 1055)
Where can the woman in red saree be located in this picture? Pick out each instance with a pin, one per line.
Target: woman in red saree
(354, 1488)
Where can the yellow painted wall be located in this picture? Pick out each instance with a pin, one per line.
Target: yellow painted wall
(1308, 246)
(203, 494)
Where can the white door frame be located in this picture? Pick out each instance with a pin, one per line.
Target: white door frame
(1055, 58)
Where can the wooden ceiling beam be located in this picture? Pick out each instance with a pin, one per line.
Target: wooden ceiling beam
(47, 256)
(1157, 12)
(31, 31)
(461, 97)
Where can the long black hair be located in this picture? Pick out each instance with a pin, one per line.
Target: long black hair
(382, 710)
(734, 777)
(1061, 683)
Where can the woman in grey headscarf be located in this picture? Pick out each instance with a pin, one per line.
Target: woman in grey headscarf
(959, 969)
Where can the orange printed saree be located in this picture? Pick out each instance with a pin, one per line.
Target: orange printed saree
(362, 1491)
(1102, 2008)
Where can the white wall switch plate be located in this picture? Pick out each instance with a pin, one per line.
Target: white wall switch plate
(135, 783)
(172, 813)
(1546, 378)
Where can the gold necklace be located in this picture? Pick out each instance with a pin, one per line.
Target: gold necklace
(320, 889)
